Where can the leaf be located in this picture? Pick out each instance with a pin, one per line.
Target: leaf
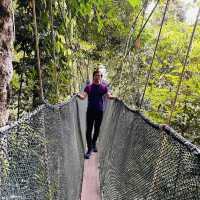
(100, 25)
(86, 45)
(134, 3)
(15, 81)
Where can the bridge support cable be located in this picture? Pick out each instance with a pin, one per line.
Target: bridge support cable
(154, 54)
(132, 29)
(184, 66)
(137, 37)
(127, 49)
(142, 28)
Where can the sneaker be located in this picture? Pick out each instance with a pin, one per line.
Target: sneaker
(94, 148)
(87, 155)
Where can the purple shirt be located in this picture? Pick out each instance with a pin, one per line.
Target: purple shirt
(95, 96)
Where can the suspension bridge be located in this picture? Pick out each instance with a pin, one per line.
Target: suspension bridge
(42, 154)
(42, 157)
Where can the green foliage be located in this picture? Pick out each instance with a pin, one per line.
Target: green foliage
(15, 81)
(129, 78)
(134, 3)
(88, 32)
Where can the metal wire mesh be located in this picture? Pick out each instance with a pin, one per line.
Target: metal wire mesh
(139, 161)
(41, 157)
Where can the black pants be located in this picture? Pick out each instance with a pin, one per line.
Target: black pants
(93, 118)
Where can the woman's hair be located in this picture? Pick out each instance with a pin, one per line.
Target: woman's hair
(96, 70)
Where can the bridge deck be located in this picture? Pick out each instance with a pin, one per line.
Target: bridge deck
(91, 185)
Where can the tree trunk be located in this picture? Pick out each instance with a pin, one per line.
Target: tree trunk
(6, 69)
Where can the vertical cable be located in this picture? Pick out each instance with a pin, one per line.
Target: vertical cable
(184, 66)
(154, 54)
(143, 27)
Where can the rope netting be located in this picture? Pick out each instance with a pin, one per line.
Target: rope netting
(41, 156)
(140, 161)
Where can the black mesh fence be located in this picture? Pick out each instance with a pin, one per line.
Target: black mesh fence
(41, 156)
(140, 161)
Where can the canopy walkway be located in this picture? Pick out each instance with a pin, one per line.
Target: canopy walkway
(41, 156)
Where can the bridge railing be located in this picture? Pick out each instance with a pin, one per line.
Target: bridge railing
(41, 156)
(140, 160)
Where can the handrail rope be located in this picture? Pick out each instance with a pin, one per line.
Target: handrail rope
(184, 66)
(168, 130)
(58, 106)
(154, 54)
(37, 51)
(143, 27)
(25, 117)
(28, 115)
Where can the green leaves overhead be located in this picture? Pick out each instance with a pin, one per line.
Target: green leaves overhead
(134, 3)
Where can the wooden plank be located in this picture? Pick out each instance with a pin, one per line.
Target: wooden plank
(91, 185)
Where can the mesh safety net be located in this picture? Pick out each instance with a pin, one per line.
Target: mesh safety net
(141, 161)
(41, 156)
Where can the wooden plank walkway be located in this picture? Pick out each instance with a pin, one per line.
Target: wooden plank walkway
(91, 185)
